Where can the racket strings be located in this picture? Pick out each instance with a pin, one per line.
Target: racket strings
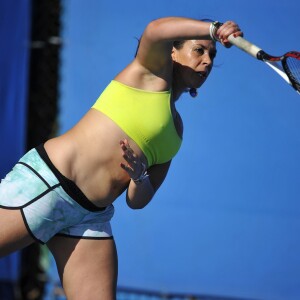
(292, 67)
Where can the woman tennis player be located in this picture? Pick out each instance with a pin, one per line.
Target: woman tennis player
(61, 193)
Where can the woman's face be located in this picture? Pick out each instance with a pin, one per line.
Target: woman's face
(193, 62)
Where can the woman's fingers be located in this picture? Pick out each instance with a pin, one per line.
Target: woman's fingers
(226, 30)
(134, 165)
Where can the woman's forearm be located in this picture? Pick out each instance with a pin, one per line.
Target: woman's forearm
(139, 194)
(177, 28)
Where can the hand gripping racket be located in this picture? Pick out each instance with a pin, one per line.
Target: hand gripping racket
(287, 65)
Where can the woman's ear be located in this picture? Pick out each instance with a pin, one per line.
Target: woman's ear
(173, 54)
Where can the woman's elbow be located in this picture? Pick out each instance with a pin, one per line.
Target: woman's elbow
(137, 204)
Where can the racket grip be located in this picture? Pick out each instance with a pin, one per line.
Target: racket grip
(244, 45)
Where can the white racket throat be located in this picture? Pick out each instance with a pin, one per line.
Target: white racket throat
(277, 68)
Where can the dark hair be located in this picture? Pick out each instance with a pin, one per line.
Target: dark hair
(178, 44)
(138, 45)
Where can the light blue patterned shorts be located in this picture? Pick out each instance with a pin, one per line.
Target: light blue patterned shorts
(50, 203)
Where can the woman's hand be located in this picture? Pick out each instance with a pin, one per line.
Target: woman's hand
(134, 167)
(226, 30)
(140, 193)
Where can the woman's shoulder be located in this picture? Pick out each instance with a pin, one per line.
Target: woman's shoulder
(139, 76)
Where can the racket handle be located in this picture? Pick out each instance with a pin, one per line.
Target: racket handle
(244, 45)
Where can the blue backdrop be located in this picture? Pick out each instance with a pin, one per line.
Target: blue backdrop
(14, 36)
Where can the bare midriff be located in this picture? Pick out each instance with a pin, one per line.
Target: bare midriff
(90, 155)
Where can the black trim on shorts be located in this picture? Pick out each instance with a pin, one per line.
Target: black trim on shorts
(49, 189)
(68, 185)
(80, 237)
(29, 230)
(35, 172)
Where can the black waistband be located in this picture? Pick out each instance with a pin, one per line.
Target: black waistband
(68, 185)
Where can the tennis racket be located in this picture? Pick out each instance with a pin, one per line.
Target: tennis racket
(287, 65)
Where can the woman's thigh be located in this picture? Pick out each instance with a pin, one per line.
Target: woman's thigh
(87, 267)
(13, 232)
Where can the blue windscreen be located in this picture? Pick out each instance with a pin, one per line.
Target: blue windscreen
(14, 54)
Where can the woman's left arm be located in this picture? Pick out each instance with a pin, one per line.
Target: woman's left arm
(139, 194)
(144, 183)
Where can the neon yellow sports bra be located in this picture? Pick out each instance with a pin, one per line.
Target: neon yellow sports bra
(145, 117)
